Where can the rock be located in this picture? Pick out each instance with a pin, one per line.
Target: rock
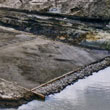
(58, 84)
(13, 95)
(88, 8)
(52, 45)
(99, 40)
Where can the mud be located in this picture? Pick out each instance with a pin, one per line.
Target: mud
(13, 95)
(50, 47)
(64, 28)
(59, 84)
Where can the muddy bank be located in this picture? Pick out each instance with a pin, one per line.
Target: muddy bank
(60, 83)
(31, 60)
(34, 59)
(13, 95)
(87, 8)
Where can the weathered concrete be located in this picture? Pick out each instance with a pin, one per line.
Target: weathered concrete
(31, 60)
(99, 40)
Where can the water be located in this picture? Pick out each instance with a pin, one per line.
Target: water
(91, 93)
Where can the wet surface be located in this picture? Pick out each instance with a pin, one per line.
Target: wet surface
(92, 93)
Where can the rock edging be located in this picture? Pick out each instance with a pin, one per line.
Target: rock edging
(67, 79)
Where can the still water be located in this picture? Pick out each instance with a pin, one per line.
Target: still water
(91, 93)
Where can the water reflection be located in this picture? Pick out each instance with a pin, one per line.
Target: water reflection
(92, 93)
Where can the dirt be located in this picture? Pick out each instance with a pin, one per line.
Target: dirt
(13, 95)
(99, 40)
(58, 84)
(31, 60)
(50, 47)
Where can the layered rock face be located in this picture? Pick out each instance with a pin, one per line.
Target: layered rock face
(87, 8)
(91, 8)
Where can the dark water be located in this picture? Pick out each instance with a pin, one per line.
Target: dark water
(91, 93)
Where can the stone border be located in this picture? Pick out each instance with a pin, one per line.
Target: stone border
(51, 87)
(58, 84)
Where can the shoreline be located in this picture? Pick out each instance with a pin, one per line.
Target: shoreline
(54, 86)
(52, 50)
(13, 95)
(58, 84)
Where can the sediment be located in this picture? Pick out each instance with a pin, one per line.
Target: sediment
(65, 28)
(37, 47)
(60, 83)
(13, 95)
(31, 60)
